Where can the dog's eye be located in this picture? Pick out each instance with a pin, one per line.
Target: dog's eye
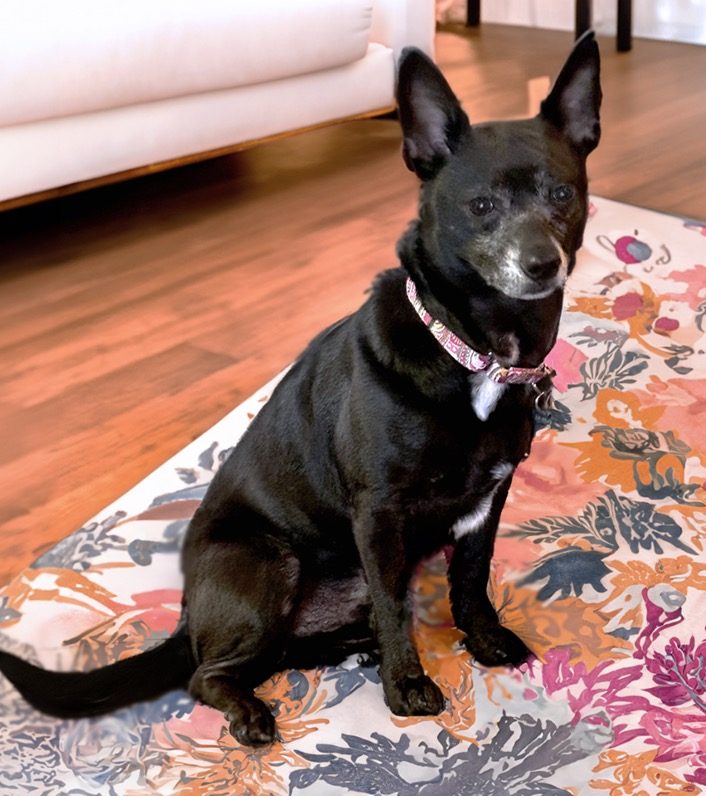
(562, 194)
(481, 206)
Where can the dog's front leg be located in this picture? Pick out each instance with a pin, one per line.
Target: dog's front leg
(486, 639)
(380, 541)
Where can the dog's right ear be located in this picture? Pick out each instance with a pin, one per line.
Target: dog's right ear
(430, 114)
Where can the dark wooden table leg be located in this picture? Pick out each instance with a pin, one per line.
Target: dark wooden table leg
(584, 16)
(624, 41)
(473, 13)
(583, 19)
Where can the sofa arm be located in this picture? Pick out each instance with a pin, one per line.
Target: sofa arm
(404, 23)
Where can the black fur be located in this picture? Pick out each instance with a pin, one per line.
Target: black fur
(377, 444)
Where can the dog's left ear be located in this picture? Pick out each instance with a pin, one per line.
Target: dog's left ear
(430, 114)
(573, 105)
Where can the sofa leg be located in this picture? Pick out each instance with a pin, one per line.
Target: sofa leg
(389, 116)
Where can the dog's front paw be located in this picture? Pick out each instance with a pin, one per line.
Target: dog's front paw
(497, 646)
(253, 724)
(414, 696)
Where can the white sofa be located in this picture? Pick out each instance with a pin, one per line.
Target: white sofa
(91, 88)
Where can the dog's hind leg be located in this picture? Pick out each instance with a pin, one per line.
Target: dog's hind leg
(239, 601)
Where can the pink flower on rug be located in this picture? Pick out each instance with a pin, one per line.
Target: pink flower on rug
(566, 360)
(694, 280)
(630, 250)
(550, 470)
(680, 674)
(202, 724)
(682, 405)
(674, 735)
(666, 324)
(627, 306)
(698, 776)
(161, 609)
(559, 672)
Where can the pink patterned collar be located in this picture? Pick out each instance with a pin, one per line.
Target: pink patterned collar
(469, 357)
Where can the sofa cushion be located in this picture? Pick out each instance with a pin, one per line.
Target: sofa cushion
(75, 56)
(40, 155)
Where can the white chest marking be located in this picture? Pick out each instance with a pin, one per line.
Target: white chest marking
(474, 520)
(485, 395)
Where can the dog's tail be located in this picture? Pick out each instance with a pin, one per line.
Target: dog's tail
(149, 674)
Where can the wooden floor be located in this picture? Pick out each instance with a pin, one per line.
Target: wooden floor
(133, 317)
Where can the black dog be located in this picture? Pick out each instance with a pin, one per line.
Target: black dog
(380, 447)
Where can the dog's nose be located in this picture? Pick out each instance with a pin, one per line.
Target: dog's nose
(541, 265)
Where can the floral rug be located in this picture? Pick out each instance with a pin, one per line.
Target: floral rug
(599, 567)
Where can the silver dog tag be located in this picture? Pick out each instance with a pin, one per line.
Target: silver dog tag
(545, 397)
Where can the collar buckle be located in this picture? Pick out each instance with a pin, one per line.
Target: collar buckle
(520, 375)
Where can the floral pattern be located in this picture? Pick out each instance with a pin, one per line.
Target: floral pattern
(599, 567)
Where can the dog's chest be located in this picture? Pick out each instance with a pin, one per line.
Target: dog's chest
(461, 471)
(454, 503)
(469, 460)
(485, 395)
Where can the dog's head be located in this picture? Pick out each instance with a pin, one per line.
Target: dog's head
(503, 204)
